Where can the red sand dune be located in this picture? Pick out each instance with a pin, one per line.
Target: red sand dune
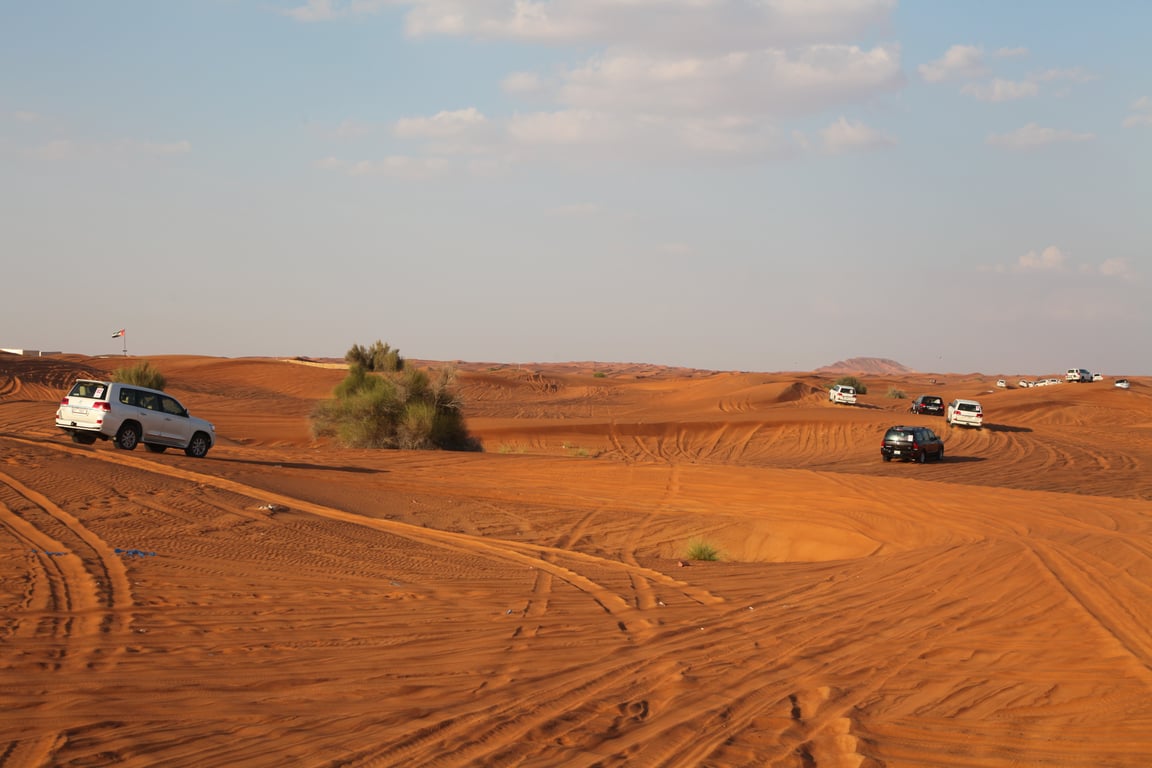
(286, 602)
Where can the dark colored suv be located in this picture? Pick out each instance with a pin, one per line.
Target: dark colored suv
(911, 444)
(930, 404)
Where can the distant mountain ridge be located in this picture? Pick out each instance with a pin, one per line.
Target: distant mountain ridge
(871, 365)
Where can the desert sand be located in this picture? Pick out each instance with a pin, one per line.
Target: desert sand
(287, 602)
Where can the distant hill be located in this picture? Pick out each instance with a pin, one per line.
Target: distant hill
(880, 366)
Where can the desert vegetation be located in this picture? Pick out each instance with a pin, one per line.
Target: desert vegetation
(379, 357)
(410, 409)
(143, 374)
(851, 381)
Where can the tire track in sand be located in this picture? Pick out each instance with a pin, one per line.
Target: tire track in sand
(78, 599)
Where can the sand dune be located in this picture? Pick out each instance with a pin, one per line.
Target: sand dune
(288, 602)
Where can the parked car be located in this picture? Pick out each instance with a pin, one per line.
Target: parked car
(911, 444)
(129, 415)
(1097, 377)
(1003, 384)
(1025, 383)
(842, 393)
(929, 404)
(967, 413)
(1078, 375)
(1123, 383)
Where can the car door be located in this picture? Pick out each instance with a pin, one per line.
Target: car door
(175, 426)
(150, 417)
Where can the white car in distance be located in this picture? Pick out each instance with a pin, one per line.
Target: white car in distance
(842, 394)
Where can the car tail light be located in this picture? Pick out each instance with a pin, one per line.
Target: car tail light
(101, 406)
(64, 401)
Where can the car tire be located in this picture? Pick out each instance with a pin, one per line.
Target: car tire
(83, 438)
(886, 458)
(923, 457)
(156, 448)
(198, 446)
(940, 456)
(128, 437)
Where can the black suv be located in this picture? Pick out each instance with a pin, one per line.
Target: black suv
(911, 444)
(928, 404)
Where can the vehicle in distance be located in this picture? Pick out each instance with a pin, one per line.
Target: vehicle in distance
(1002, 383)
(965, 413)
(1078, 375)
(129, 415)
(929, 404)
(842, 393)
(1025, 383)
(1123, 383)
(1097, 377)
(911, 444)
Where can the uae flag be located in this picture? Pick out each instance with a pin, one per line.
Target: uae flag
(118, 334)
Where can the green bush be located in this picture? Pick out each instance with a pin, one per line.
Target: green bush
(896, 394)
(852, 381)
(143, 374)
(599, 375)
(378, 357)
(698, 549)
(394, 410)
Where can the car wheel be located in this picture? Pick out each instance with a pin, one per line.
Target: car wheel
(940, 456)
(83, 438)
(923, 457)
(156, 448)
(198, 446)
(128, 437)
(886, 458)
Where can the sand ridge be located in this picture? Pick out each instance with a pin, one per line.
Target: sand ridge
(288, 602)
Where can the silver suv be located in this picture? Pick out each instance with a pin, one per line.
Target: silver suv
(128, 415)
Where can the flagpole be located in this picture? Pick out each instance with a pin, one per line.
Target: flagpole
(124, 338)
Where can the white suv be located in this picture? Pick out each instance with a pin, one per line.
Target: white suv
(966, 413)
(129, 415)
(842, 393)
(1078, 375)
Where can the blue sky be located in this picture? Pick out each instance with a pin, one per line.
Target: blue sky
(727, 184)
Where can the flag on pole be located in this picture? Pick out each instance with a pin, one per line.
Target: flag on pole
(118, 334)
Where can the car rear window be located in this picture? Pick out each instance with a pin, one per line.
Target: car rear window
(899, 436)
(91, 389)
(966, 407)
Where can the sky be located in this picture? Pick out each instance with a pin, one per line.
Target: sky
(754, 185)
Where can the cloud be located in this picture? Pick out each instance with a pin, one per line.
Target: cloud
(958, 62)
(1053, 260)
(757, 82)
(1048, 260)
(1032, 135)
(844, 135)
(523, 83)
(1001, 90)
(1117, 268)
(652, 24)
(441, 125)
(1141, 114)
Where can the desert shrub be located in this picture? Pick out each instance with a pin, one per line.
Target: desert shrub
(599, 375)
(378, 357)
(698, 549)
(143, 374)
(405, 409)
(896, 394)
(851, 381)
